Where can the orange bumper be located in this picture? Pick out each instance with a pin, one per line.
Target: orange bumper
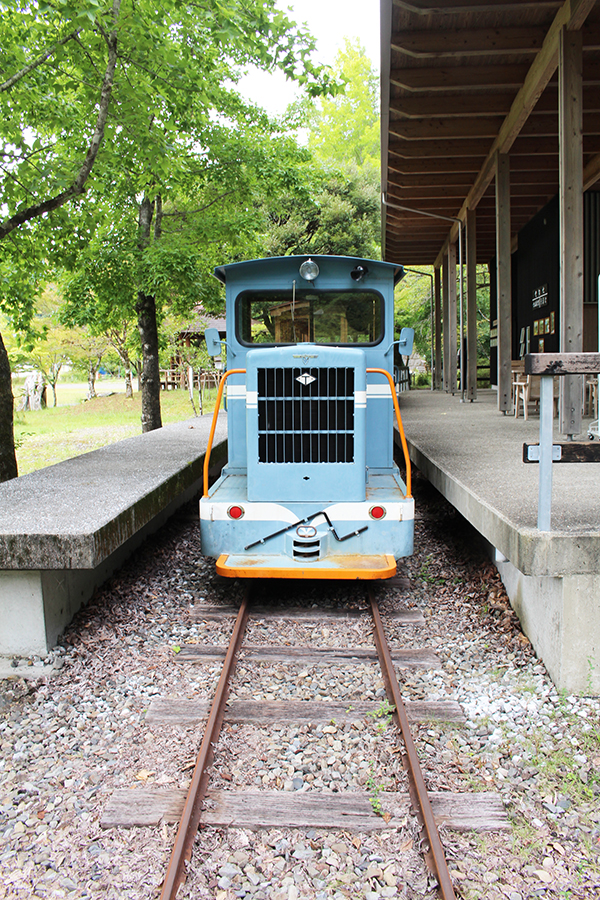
(350, 568)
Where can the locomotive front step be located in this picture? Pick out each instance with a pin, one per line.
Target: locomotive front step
(358, 567)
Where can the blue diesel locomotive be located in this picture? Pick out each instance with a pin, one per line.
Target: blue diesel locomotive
(310, 489)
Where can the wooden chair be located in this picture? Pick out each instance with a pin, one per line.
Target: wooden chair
(520, 385)
(521, 388)
(517, 368)
(534, 392)
(590, 406)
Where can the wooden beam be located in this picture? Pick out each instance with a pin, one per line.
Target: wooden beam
(591, 173)
(460, 7)
(465, 42)
(572, 15)
(398, 163)
(442, 128)
(471, 380)
(460, 105)
(571, 222)
(562, 364)
(476, 147)
(503, 273)
(478, 105)
(545, 125)
(437, 371)
(449, 43)
(445, 327)
(452, 320)
(451, 78)
(519, 192)
(521, 205)
(570, 452)
(431, 179)
(476, 80)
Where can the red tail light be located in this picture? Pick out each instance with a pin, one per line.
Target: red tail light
(377, 512)
(235, 512)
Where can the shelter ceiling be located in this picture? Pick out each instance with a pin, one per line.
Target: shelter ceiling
(462, 79)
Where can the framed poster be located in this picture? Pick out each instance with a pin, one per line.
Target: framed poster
(536, 327)
(547, 326)
(552, 323)
(541, 345)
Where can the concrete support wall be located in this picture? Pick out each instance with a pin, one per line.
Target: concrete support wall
(560, 616)
(37, 606)
(552, 578)
(39, 600)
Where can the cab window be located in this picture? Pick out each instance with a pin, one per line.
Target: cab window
(321, 317)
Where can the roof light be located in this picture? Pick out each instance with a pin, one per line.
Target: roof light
(309, 270)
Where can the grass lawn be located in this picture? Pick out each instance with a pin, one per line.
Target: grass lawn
(76, 426)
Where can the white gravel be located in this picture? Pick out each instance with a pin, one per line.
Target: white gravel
(70, 738)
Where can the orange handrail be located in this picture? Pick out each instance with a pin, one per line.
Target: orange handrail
(213, 426)
(400, 428)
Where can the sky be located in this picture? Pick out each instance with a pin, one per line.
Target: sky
(329, 21)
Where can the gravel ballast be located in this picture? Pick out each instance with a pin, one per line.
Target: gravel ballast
(74, 730)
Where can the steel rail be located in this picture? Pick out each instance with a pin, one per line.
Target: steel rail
(192, 810)
(418, 791)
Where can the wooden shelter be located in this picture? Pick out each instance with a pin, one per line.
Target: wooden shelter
(490, 110)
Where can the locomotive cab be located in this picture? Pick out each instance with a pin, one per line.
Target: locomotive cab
(310, 489)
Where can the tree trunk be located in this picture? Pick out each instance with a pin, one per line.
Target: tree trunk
(146, 310)
(8, 459)
(148, 328)
(91, 392)
(92, 373)
(128, 384)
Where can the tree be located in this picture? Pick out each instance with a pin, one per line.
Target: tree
(67, 66)
(86, 352)
(339, 216)
(344, 129)
(339, 208)
(413, 310)
(209, 208)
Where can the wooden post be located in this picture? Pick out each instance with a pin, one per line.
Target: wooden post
(437, 380)
(503, 274)
(471, 305)
(445, 326)
(452, 319)
(571, 221)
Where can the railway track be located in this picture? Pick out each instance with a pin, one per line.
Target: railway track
(398, 802)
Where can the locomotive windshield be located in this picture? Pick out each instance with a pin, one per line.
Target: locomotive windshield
(321, 317)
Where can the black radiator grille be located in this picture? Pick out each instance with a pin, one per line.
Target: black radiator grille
(302, 422)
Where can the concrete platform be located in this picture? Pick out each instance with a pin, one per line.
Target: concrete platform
(473, 455)
(65, 529)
